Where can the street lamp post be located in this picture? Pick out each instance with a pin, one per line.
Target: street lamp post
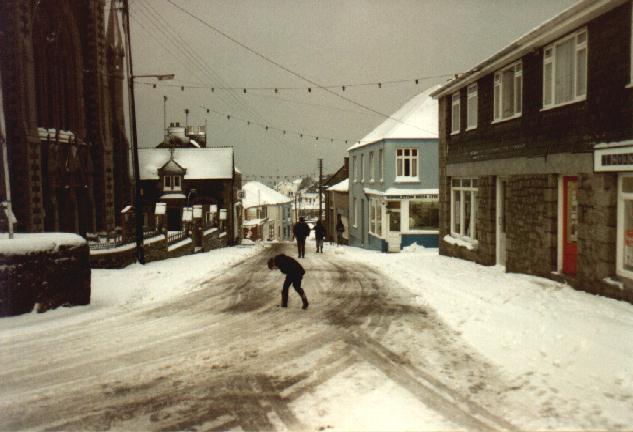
(138, 205)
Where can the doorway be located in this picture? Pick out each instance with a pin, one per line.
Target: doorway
(502, 185)
(174, 217)
(393, 226)
(570, 224)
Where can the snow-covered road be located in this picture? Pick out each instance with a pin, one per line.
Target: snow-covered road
(225, 357)
(411, 341)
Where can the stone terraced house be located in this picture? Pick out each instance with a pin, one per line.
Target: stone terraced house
(536, 153)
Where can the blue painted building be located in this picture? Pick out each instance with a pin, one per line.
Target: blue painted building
(394, 178)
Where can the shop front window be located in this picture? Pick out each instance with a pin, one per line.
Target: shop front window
(625, 226)
(424, 215)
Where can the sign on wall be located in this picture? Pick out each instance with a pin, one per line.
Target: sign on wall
(613, 159)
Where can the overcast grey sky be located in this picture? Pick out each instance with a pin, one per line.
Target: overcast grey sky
(330, 42)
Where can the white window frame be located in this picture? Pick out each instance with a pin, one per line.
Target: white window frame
(375, 222)
(362, 168)
(461, 187)
(549, 59)
(472, 106)
(517, 68)
(622, 196)
(381, 163)
(169, 183)
(455, 113)
(355, 210)
(414, 163)
(355, 168)
(371, 167)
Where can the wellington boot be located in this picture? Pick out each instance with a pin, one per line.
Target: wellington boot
(304, 299)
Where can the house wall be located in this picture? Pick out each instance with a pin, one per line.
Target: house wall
(428, 174)
(339, 204)
(534, 152)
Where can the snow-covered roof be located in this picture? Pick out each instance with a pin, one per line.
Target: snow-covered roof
(342, 186)
(418, 118)
(256, 194)
(200, 163)
(253, 222)
(400, 192)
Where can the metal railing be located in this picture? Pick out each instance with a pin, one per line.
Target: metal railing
(114, 239)
(176, 237)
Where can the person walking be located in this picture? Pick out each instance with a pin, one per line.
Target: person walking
(340, 228)
(301, 230)
(294, 274)
(319, 235)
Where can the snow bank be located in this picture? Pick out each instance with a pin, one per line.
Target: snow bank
(561, 347)
(24, 243)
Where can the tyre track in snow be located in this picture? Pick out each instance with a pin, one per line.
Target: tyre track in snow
(234, 360)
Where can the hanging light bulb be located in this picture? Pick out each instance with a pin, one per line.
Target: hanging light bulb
(276, 90)
(154, 85)
(343, 88)
(212, 89)
(417, 81)
(182, 88)
(228, 116)
(244, 90)
(379, 85)
(207, 110)
(309, 90)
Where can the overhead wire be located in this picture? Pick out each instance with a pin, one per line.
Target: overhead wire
(284, 68)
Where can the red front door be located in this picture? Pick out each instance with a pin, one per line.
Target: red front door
(570, 224)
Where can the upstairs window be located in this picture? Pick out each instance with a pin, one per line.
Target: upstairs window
(508, 92)
(455, 113)
(371, 166)
(381, 164)
(464, 208)
(406, 164)
(172, 183)
(355, 168)
(362, 168)
(565, 70)
(471, 107)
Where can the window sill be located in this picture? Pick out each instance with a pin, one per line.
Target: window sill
(464, 242)
(422, 231)
(547, 108)
(516, 116)
(471, 128)
(630, 85)
(455, 132)
(407, 180)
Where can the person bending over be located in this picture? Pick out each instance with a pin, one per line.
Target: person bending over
(294, 273)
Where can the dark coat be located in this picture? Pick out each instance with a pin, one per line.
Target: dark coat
(340, 227)
(288, 266)
(301, 230)
(319, 232)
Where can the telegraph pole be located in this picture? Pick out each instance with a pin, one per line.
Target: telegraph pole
(138, 206)
(320, 188)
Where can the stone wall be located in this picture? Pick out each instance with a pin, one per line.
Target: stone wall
(44, 280)
(154, 250)
(532, 228)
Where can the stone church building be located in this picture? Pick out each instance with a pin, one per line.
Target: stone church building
(62, 81)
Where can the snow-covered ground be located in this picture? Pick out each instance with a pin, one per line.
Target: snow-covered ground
(566, 356)
(564, 349)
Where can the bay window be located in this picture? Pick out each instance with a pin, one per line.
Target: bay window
(565, 70)
(464, 208)
(471, 107)
(455, 109)
(406, 164)
(375, 217)
(508, 92)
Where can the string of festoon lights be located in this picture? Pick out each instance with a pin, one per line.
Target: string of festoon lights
(307, 89)
(283, 131)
